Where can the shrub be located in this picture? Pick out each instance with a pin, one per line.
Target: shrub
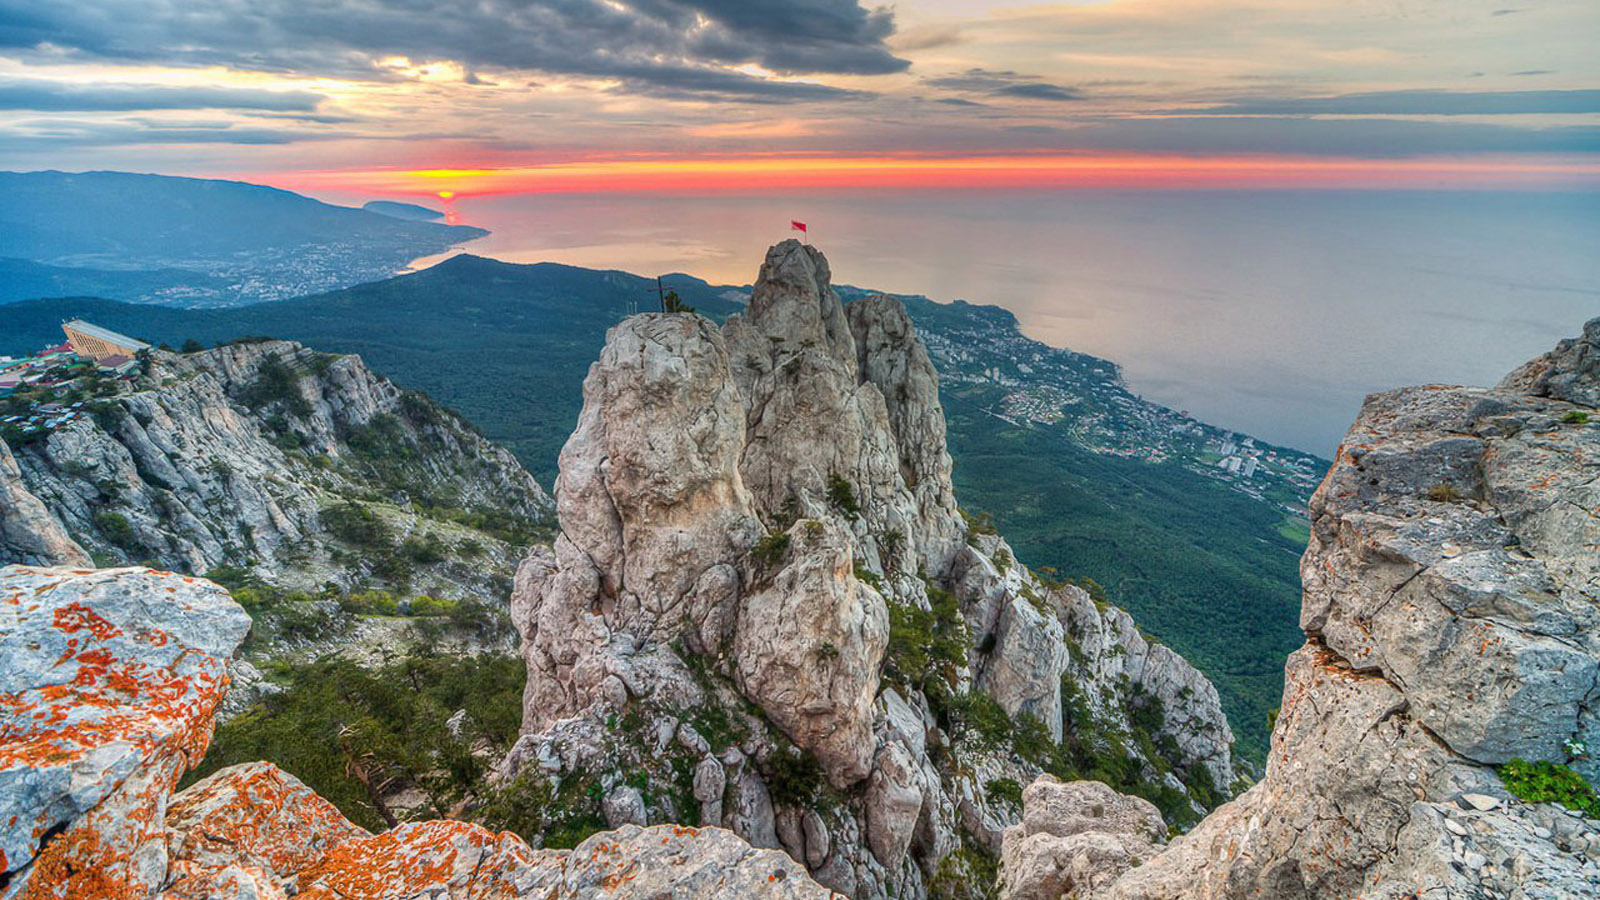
(425, 550)
(1548, 782)
(842, 496)
(771, 549)
(793, 776)
(1444, 492)
(356, 524)
(1003, 791)
(1576, 417)
(335, 718)
(116, 529)
(275, 382)
(927, 647)
(981, 718)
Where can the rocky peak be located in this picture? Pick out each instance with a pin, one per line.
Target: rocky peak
(762, 568)
(793, 305)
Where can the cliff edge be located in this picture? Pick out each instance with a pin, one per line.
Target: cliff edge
(1450, 617)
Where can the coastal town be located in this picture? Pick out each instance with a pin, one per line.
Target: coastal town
(1086, 398)
(53, 387)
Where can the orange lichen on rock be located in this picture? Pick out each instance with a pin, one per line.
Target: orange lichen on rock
(458, 858)
(109, 699)
(255, 815)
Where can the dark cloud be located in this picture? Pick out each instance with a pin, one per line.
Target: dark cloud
(56, 96)
(1006, 84)
(1412, 103)
(661, 46)
(1371, 138)
(79, 133)
(1535, 72)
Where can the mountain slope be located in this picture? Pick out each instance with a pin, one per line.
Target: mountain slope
(268, 464)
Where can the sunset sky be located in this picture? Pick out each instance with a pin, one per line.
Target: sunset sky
(409, 98)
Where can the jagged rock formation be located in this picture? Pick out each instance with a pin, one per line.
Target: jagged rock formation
(765, 611)
(1450, 614)
(242, 455)
(108, 692)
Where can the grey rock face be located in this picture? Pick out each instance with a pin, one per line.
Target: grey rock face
(744, 511)
(199, 466)
(28, 533)
(1449, 609)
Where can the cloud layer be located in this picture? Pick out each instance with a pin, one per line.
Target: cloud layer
(672, 47)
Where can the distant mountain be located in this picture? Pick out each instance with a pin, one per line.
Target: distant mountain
(1089, 479)
(246, 242)
(411, 212)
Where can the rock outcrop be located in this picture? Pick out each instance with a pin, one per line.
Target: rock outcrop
(109, 685)
(28, 533)
(109, 682)
(1450, 614)
(236, 455)
(1075, 838)
(765, 607)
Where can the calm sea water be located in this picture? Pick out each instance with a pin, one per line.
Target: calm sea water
(1270, 312)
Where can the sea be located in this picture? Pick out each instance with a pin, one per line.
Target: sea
(1272, 312)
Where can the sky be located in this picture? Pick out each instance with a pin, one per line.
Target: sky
(410, 98)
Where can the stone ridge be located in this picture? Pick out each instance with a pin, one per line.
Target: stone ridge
(208, 462)
(1451, 622)
(746, 514)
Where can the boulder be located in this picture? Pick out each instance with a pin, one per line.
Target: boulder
(1075, 838)
(255, 816)
(109, 683)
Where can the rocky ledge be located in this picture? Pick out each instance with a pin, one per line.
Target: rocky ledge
(109, 684)
(1450, 614)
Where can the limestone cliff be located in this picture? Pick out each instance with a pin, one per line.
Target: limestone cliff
(765, 611)
(1450, 617)
(245, 455)
(108, 694)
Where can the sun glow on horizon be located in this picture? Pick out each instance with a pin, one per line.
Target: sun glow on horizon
(780, 173)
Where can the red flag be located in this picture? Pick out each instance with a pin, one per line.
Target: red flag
(797, 226)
